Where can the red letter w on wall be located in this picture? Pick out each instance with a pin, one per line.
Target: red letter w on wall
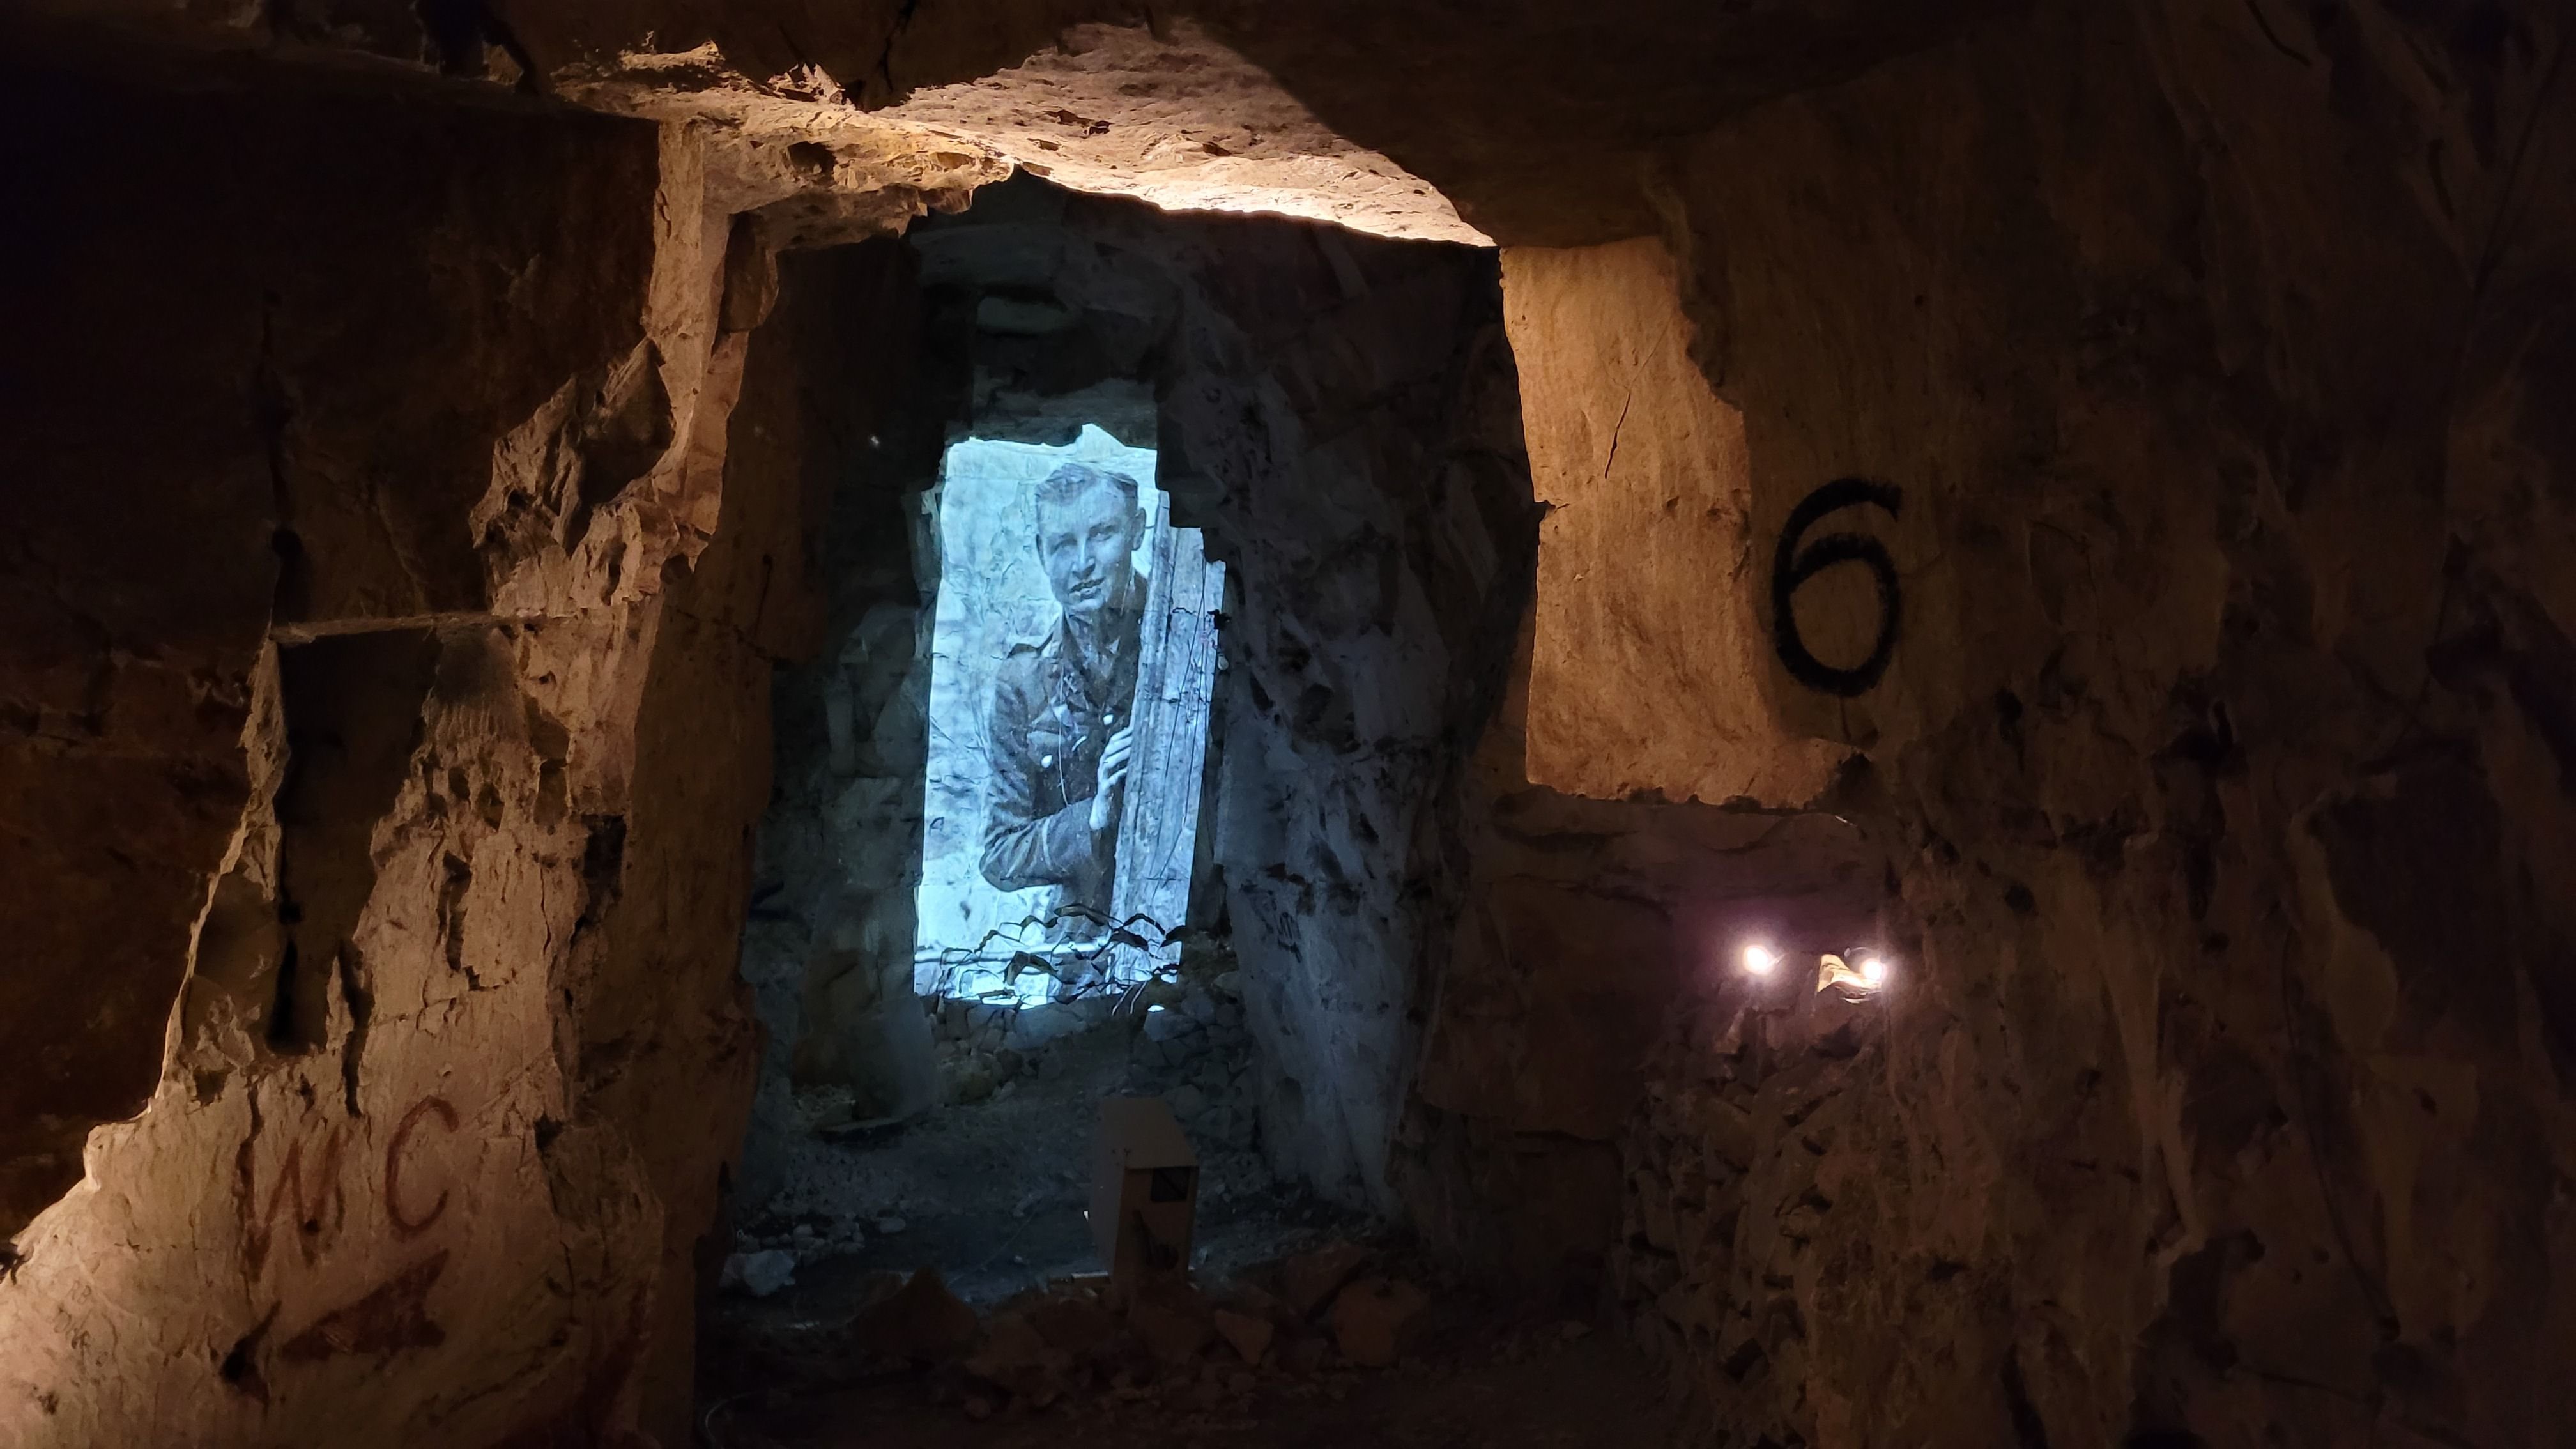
(314, 1205)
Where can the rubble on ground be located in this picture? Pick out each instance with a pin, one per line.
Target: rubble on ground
(1183, 1040)
(1250, 1334)
(1372, 1317)
(1069, 1347)
(759, 1274)
(920, 1322)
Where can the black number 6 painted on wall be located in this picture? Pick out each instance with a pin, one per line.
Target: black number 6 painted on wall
(1793, 566)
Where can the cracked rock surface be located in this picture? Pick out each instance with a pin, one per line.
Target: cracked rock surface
(416, 450)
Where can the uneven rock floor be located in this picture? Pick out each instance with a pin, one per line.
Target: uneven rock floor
(992, 1194)
(1529, 1387)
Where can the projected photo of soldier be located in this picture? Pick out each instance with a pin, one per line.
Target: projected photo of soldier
(1058, 728)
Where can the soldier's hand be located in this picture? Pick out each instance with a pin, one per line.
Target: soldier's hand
(1112, 774)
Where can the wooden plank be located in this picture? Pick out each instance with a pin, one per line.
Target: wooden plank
(1175, 684)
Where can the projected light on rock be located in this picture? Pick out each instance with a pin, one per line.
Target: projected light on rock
(1073, 653)
(1861, 975)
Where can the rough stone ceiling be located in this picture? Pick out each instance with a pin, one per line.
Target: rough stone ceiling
(1183, 123)
(1524, 121)
(1546, 121)
(1531, 122)
(1176, 120)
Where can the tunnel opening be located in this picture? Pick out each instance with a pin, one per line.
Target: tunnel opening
(1443, 968)
(960, 953)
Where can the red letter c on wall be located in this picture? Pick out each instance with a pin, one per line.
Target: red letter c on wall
(406, 1225)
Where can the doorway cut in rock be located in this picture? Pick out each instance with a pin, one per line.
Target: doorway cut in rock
(1324, 459)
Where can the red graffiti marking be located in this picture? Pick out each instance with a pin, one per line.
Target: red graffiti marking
(319, 1206)
(391, 1318)
(405, 1224)
(314, 1202)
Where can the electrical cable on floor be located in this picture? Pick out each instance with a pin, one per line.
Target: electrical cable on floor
(707, 1421)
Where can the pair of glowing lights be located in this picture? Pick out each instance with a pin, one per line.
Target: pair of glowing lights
(1866, 968)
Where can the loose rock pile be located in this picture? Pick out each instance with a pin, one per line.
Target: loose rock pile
(1751, 1106)
(984, 1046)
(842, 1179)
(1191, 1046)
(1196, 1052)
(764, 1262)
(1068, 1347)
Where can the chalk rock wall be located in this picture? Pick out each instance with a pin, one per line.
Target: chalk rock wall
(2225, 1095)
(1338, 415)
(277, 475)
(1582, 933)
(829, 947)
(376, 541)
(1632, 816)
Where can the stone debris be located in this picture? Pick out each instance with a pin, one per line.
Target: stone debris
(1016, 1356)
(1066, 1345)
(808, 1240)
(1032, 1027)
(1199, 1005)
(921, 1322)
(1310, 1279)
(759, 1274)
(1195, 1050)
(982, 1049)
(898, 1193)
(1370, 1319)
(1303, 1354)
(1173, 1321)
(1249, 1334)
(1075, 1324)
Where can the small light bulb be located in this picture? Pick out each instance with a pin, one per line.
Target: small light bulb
(1759, 959)
(1873, 970)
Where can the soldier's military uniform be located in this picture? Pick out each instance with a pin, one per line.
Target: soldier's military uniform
(1051, 718)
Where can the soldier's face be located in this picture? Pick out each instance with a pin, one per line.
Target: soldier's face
(1085, 542)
